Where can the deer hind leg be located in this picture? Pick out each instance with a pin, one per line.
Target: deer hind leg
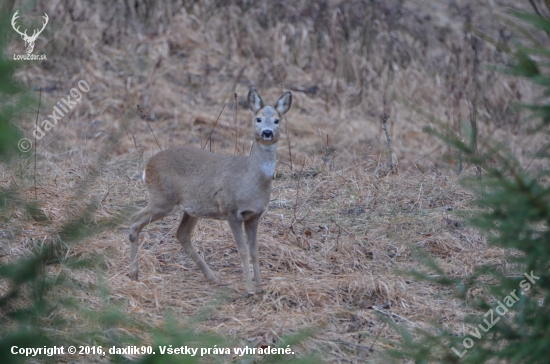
(141, 218)
(251, 230)
(185, 229)
(237, 229)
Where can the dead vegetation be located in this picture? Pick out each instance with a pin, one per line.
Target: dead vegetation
(339, 226)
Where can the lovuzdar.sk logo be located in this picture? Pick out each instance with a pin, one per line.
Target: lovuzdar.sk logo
(29, 40)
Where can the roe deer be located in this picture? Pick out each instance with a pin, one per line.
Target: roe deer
(214, 186)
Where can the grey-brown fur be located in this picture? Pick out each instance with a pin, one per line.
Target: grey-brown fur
(213, 186)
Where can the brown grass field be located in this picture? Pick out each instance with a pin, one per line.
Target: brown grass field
(336, 242)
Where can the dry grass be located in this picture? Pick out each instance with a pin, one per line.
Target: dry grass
(339, 226)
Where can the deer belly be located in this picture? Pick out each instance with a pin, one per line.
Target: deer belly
(205, 213)
(206, 209)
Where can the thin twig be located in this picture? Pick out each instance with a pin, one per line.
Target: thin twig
(236, 107)
(344, 230)
(144, 117)
(427, 155)
(535, 7)
(532, 160)
(35, 148)
(377, 336)
(287, 136)
(385, 118)
(295, 207)
(104, 197)
(211, 131)
(128, 135)
(473, 123)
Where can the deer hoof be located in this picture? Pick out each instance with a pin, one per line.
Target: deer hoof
(134, 275)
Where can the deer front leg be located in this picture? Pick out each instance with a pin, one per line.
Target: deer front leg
(138, 221)
(251, 230)
(184, 237)
(237, 229)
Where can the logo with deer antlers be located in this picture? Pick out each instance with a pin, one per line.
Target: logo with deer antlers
(29, 41)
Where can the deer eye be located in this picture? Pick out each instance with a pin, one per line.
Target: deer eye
(259, 120)
(276, 121)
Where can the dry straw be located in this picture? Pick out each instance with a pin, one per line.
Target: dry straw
(339, 225)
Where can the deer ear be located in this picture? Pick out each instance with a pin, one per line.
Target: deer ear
(255, 102)
(283, 104)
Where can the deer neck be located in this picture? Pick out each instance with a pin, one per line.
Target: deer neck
(262, 159)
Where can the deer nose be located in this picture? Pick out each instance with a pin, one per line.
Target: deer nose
(267, 134)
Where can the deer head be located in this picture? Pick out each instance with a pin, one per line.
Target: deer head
(29, 41)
